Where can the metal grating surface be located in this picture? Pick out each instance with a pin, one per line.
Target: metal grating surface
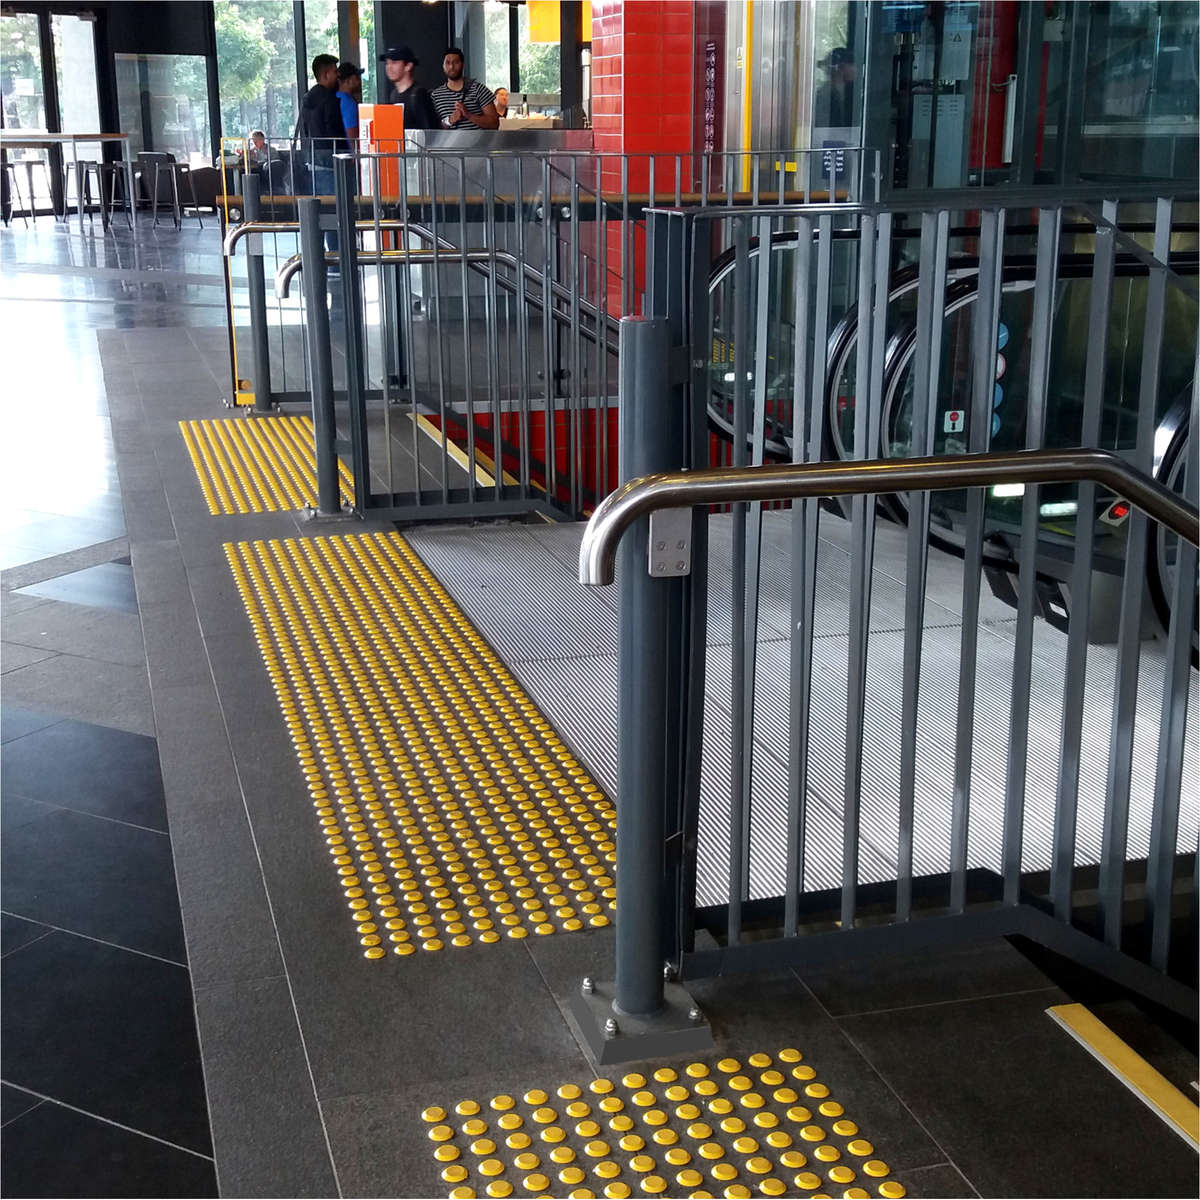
(518, 585)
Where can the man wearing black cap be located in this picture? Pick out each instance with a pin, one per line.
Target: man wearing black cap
(398, 64)
(349, 91)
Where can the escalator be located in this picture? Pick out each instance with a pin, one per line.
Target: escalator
(1070, 341)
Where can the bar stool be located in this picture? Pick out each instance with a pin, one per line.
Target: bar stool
(29, 164)
(88, 168)
(112, 174)
(175, 170)
(14, 189)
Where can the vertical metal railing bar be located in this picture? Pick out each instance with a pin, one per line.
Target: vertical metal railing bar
(753, 568)
(1075, 675)
(468, 365)
(492, 317)
(354, 324)
(984, 336)
(575, 421)
(697, 246)
(433, 321)
(1045, 287)
(800, 632)
(705, 168)
(1164, 822)
(385, 293)
(862, 516)
(548, 336)
(602, 334)
(407, 325)
(931, 307)
(739, 799)
(678, 180)
(755, 167)
(524, 447)
(1114, 838)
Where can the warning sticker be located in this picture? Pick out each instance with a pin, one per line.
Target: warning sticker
(954, 421)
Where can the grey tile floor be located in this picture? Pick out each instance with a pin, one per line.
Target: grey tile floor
(316, 1062)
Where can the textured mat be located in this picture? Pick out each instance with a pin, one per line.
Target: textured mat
(260, 464)
(453, 812)
(768, 1127)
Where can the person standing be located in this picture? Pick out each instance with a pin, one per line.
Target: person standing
(321, 131)
(349, 91)
(462, 102)
(399, 63)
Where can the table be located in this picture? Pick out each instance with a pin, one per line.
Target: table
(17, 139)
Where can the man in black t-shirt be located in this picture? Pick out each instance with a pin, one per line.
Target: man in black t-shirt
(398, 64)
(463, 103)
(320, 124)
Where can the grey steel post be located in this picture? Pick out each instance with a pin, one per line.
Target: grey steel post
(650, 440)
(320, 355)
(256, 283)
(345, 183)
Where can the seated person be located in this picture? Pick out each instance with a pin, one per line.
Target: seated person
(259, 151)
(501, 102)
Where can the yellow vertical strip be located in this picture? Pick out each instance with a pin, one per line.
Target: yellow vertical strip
(747, 93)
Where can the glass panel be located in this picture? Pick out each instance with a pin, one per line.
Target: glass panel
(320, 30)
(24, 102)
(1141, 99)
(256, 67)
(75, 72)
(368, 55)
(162, 100)
(540, 73)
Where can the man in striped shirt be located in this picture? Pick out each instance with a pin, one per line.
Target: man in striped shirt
(463, 103)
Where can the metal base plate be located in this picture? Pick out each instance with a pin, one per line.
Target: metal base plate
(669, 1031)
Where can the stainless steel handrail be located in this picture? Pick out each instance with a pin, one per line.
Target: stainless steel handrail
(292, 267)
(792, 481)
(237, 232)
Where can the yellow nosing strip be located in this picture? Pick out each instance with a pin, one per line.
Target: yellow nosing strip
(453, 812)
(485, 466)
(264, 464)
(1131, 1069)
(767, 1127)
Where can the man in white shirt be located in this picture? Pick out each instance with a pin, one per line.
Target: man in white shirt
(463, 103)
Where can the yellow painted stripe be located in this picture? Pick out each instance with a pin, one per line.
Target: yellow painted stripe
(262, 465)
(1131, 1069)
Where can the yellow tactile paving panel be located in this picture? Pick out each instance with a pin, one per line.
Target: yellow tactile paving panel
(766, 1127)
(259, 464)
(453, 812)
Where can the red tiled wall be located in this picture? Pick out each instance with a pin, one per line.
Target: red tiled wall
(642, 82)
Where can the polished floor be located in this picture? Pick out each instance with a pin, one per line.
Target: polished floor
(182, 1008)
(103, 1091)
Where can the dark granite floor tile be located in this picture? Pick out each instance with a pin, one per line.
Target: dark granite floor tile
(122, 1030)
(90, 768)
(872, 984)
(14, 1102)
(1018, 1106)
(55, 1151)
(106, 585)
(17, 722)
(16, 932)
(766, 1013)
(267, 1132)
(120, 885)
(942, 1182)
(14, 656)
(381, 1146)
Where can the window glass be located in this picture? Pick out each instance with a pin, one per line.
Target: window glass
(21, 73)
(75, 73)
(539, 61)
(24, 101)
(162, 100)
(256, 67)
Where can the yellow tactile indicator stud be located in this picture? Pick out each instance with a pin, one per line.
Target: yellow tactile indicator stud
(261, 464)
(451, 808)
(614, 1151)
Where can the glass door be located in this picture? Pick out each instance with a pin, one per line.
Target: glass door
(22, 82)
